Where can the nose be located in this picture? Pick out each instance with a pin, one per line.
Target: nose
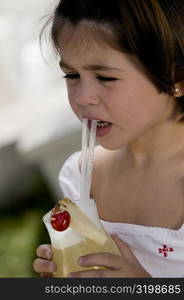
(87, 95)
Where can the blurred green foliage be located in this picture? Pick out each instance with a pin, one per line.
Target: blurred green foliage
(22, 230)
(19, 237)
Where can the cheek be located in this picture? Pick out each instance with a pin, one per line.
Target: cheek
(73, 105)
(71, 99)
(135, 108)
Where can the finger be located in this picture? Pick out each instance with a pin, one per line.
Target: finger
(123, 247)
(44, 266)
(88, 274)
(46, 275)
(44, 251)
(108, 260)
(96, 274)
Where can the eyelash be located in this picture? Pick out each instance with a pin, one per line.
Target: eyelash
(75, 76)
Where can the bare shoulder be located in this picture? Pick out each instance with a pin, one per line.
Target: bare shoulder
(102, 158)
(107, 157)
(104, 163)
(100, 153)
(100, 167)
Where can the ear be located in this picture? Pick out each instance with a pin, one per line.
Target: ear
(179, 89)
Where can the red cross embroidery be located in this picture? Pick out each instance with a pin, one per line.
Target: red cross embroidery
(164, 250)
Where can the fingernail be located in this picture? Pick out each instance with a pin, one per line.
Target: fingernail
(113, 235)
(52, 267)
(80, 260)
(49, 253)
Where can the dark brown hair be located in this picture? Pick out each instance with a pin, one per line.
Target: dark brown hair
(151, 30)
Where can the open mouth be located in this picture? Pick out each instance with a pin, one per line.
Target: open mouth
(103, 127)
(101, 124)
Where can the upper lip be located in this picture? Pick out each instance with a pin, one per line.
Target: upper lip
(89, 117)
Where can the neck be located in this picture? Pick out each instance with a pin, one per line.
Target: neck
(160, 144)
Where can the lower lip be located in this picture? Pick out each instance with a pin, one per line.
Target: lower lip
(101, 131)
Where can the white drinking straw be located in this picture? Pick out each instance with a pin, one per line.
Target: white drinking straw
(92, 139)
(83, 158)
(87, 157)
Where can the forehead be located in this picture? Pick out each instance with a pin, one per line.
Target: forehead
(84, 44)
(84, 37)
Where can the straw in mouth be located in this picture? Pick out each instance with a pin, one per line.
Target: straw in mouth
(100, 123)
(87, 157)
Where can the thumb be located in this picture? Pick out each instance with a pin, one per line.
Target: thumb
(123, 247)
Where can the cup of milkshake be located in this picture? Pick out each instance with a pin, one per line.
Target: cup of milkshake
(75, 234)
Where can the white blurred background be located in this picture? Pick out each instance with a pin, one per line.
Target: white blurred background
(35, 117)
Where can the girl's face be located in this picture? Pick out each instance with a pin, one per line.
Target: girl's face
(105, 84)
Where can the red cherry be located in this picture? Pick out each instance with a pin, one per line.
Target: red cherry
(60, 220)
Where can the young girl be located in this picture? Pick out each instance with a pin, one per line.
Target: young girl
(124, 65)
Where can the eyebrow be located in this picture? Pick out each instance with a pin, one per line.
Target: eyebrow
(89, 67)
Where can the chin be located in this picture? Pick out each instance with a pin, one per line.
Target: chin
(112, 146)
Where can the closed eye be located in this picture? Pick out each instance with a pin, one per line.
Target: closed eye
(106, 78)
(71, 76)
(101, 78)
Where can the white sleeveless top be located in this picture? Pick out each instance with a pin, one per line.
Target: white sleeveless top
(159, 250)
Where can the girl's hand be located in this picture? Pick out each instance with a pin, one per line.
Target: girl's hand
(122, 266)
(43, 263)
